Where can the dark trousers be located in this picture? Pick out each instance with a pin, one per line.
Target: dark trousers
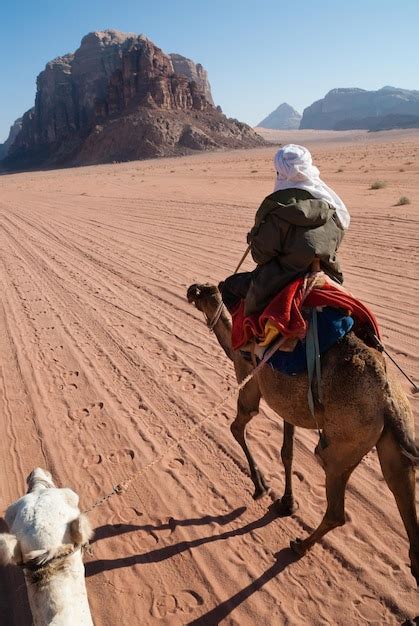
(235, 288)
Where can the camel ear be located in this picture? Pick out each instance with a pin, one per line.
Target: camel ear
(10, 552)
(80, 530)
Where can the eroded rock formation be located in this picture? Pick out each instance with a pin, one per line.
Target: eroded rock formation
(161, 104)
(13, 133)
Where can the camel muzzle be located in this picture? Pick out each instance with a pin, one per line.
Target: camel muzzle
(198, 292)
(193, 293)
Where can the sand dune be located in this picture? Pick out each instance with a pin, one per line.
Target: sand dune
(103, 364)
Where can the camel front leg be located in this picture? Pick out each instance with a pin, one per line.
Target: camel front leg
(287, 505)
(247, 409)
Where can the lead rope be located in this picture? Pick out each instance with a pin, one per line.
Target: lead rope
(242, 259)
(381, 348)
(123, 486)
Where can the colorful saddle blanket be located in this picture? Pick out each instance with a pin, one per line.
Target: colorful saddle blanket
(338, 312)
(332, 325)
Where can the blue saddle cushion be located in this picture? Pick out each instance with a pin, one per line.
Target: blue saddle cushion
(332, 325)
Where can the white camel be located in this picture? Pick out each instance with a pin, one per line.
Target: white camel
(47, 533)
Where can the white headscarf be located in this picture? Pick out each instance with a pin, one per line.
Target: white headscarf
(295, 170)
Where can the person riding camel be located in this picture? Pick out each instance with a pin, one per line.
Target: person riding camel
(301, 220)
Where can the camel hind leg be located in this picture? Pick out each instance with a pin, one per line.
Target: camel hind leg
(399, 475)
(335, 512)
(339, 460)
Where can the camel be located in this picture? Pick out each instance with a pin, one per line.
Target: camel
(362, 406)
(47, 533)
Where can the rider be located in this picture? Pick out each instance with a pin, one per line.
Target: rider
(302, 219)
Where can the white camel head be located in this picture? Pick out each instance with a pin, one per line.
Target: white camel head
(44, 525)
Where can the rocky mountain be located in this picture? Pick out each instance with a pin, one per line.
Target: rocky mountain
(284, 117)
(343, 109)
(194, 72)
(120, 97)
(13, 133)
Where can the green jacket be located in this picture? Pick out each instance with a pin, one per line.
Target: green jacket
(291, 229)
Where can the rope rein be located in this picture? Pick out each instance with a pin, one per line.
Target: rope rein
(123, 486)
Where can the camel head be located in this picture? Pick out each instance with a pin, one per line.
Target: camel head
(44, 524)
(39, 477)
(205, 297)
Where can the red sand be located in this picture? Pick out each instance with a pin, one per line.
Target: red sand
(103, 364)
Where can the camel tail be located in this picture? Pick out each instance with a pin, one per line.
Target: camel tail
(397, 419)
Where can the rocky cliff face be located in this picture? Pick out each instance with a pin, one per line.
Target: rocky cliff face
(112, 76)
(343, 109)
(13, 133)
(284, 117)
(193, 72)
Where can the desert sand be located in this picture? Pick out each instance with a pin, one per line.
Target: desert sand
(103, 364)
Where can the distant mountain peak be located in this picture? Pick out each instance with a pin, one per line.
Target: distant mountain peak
(348, 108)
(285, 117)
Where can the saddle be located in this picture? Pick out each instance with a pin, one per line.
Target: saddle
(288, 315)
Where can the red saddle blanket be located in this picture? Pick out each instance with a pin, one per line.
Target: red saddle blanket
(285, 310)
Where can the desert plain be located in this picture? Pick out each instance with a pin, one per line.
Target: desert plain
(104, 365)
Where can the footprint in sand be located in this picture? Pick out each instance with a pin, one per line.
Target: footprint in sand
(163, 528)
(186, 379)
(188, 601)
(141, 540)
(70, 379)
(129, 515)
(119, 456)
(176, 464)
(92, 410)
(92, 458)
(157, 429)
(371, 610)
(185, 601)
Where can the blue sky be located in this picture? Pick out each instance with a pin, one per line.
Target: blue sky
(258, 53)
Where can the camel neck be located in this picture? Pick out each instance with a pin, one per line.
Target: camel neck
(222, 331)
(61, 598)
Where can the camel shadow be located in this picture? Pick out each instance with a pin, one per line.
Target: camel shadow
(167, 552)
(14, 604)
(283, 558)
(112, 530)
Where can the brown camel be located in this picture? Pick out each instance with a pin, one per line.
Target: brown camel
(362, 406)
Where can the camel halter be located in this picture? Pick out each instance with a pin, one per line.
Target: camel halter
(211, 323)
(37, 570)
